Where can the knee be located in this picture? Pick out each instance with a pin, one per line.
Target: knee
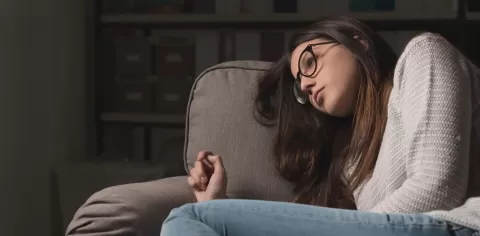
(185, 211)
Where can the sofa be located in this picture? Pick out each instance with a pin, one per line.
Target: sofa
(219, 118)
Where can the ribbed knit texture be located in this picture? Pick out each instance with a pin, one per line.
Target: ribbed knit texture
(424, 161)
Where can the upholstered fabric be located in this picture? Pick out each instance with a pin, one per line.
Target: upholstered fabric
(220, 119)
(130, 210)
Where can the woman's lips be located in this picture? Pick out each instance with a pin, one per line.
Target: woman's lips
(316, 96)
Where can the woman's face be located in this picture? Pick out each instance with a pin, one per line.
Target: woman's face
(332, 85)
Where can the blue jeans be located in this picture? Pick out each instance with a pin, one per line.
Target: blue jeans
(255, 218)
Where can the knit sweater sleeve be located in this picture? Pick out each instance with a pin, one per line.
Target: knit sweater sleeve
(434, 108)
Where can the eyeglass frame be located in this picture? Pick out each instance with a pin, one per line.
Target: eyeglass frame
(308, 48)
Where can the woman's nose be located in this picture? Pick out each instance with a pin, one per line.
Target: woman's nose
(306, 84)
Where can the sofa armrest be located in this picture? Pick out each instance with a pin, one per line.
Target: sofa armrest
(131, 209)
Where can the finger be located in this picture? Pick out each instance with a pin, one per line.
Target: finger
(200, 169)
(219, 170)
(196, 180)
(207, 164)
(207, 167)
(199, 175)
(192, 184)
(217, 162)
(194, 173)
(203, 155)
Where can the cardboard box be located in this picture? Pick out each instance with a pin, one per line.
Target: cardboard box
(175, 55)
(130, 98)
(133, 56)
(172, 94)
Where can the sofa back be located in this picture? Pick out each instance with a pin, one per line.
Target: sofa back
(220, 119)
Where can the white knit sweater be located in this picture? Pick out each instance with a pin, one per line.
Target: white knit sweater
(429, 142)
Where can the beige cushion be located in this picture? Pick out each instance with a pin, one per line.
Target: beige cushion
(130, 209)
(220, 119)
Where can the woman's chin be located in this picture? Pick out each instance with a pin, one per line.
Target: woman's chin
(340, 113)
(335, 112)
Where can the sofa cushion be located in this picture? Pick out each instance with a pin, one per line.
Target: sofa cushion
(220, 119)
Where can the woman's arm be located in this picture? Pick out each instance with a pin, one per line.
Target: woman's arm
(435, 109)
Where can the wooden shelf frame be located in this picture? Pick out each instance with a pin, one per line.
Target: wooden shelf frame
(143, 118)
(389, 20)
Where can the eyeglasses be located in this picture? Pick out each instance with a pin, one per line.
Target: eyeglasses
(307, 67)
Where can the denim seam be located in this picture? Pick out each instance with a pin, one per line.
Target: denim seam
(439, 226)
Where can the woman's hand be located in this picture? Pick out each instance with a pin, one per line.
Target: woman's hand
(208, 178)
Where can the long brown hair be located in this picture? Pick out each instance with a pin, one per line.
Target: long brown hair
(304, 153)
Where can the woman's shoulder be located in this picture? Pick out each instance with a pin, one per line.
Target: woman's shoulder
(426, 37)
(426, 50)
(428, 58)
(427, 43)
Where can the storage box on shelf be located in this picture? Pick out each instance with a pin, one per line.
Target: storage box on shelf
(175, 54)
(126, 78)
(133, 56)
(129, 97)
(152, 74)
(175, 68)
(172, 95)
(473, 10)
(473, 16)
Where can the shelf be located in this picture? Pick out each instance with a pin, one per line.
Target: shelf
(143, 118)
(250, 18)
(278, 20)
(473, 15)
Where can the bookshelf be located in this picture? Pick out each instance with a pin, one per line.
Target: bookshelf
(275, 18)
(473, 16)
(389, 20)
(455, 24)
(143, 118)
(472, 10)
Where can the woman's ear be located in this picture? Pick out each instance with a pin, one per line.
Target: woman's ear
(363, 42)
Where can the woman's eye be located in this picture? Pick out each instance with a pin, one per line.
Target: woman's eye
(310, 61)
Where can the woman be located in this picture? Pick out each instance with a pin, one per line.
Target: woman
(405, 168)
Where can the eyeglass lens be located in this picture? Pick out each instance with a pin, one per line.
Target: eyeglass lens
(307, 66)
(300, 96)
(307, 63)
